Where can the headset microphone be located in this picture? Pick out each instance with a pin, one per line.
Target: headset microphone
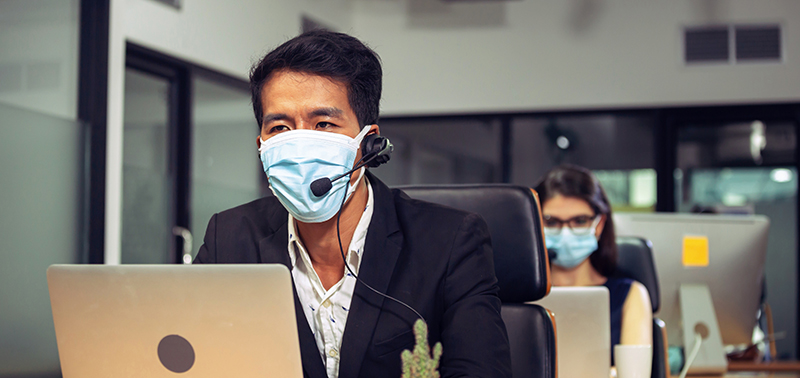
(376, 150)
(323, 185)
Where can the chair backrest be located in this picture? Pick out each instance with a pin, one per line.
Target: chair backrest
(514, 218)
(531, 330)
(513, 215)
(635, 260)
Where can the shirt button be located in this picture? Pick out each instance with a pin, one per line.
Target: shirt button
(327, 303)
(332, 353)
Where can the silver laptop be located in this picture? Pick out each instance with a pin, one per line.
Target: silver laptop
(583, 330)
(175, 320)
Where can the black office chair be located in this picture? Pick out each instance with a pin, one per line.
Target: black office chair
(635, 261)
(514, 218)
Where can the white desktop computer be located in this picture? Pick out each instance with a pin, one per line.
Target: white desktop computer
(711, 271)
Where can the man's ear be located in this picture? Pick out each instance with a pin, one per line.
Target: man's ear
(258, 141)
(374, 129)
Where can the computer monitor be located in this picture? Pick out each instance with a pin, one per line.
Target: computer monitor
(731, 265)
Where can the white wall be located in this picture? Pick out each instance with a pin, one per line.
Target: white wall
(465, 57)
(225, 35)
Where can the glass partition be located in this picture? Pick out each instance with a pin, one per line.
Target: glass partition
(39, 55)
(600, 142)
(629, 190)
(42, 158)
(226, 170)
(42, 161)
(618, 148)
(146, 171)
(444, 151)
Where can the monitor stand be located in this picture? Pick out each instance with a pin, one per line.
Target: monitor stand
(698, 318)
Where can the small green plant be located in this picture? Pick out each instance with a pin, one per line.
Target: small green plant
(419, 364)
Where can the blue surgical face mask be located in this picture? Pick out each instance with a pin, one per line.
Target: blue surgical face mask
(294, 159)
(570, 249)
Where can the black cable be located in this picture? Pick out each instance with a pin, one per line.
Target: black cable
(344, 259)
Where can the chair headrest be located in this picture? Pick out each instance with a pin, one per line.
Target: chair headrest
(515, 224)
(635, 261)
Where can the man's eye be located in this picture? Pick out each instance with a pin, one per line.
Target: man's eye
(325, 125)
(278, 128)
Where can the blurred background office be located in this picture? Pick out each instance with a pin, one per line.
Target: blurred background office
(125, 124)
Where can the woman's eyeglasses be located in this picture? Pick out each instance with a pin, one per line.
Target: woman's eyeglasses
(580, 225)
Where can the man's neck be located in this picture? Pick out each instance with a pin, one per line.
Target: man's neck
(321, 240)
(582, 275)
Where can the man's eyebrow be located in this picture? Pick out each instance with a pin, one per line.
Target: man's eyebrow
(273, 117)
(326, 112)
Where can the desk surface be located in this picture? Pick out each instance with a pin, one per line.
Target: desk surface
(778, 369)
(742, 374)
(777, 366)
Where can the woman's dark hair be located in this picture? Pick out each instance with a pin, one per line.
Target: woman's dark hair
(333, 55)
(578, 182)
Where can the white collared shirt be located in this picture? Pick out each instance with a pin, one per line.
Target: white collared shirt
(326, 310)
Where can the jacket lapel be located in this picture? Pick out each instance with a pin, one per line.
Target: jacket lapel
(273, 249)
(381, 250)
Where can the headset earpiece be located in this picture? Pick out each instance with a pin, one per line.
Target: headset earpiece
(377, 146)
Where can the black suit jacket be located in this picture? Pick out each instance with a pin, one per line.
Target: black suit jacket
(436, 259)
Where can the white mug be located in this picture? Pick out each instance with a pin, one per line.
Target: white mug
(633, 361)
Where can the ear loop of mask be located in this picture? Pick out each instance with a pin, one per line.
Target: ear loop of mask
(352, 188)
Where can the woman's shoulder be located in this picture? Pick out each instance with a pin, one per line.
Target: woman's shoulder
(638, 296)
(626, 288)
(622, 284)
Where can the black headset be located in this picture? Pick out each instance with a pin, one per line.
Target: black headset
(376, 150)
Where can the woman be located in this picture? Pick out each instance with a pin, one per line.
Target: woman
(579, 233)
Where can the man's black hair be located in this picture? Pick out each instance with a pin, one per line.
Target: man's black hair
(329, 54)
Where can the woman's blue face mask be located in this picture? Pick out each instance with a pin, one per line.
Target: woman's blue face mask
(571, 249)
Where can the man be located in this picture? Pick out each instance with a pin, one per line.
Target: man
(315, 98)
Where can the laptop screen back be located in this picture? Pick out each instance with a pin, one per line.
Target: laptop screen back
(583, 330)
(159, 320)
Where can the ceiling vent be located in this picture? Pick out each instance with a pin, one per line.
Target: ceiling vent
(758, 43)
(707, 45)
(732, 44)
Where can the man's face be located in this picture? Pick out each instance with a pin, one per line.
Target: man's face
(294, 100)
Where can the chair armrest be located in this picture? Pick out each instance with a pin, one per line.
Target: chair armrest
(660, 347)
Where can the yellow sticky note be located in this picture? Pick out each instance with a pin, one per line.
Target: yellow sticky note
(695, 251)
